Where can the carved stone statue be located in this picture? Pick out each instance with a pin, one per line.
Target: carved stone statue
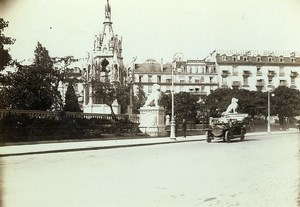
(154, 97)
(232, 107)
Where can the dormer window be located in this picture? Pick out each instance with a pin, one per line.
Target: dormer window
(234, 58)
(224, 57)
(258, 59)
(245, 58)
(270, 59)
(281, 59)
(292, 59)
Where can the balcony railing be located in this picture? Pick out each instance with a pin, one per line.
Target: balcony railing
(246, 74)
(281, 74)
(260, 84)
(236, 83)
(225, 73)
(271, 74)
(294, 74)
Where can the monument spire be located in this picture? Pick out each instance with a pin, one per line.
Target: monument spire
(107, 11)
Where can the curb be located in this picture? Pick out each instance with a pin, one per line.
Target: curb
(97, 148)
(128, 145)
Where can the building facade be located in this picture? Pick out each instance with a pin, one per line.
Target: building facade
(257, 71)
(193, 76)
(251, 70)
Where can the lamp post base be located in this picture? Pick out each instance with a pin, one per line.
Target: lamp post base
(172, 132)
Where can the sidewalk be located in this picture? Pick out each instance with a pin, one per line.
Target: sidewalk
(28, 149)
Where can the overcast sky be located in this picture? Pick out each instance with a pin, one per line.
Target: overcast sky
(153, 29)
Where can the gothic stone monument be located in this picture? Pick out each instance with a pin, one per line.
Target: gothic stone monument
(152, 115)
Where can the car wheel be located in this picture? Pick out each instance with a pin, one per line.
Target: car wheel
(208, 139)
(242, 135)
(227, 136)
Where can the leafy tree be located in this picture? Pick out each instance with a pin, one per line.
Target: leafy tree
(105, 93)
(122, 96)
(217, 102)
(33, 87)
(71, 101)
(185, 105)
(285, 103)
(139, 100)
(5, 57)
(62, 64)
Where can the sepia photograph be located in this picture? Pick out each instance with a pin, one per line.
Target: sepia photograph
(149, 103)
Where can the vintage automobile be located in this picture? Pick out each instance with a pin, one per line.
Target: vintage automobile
(229, 126)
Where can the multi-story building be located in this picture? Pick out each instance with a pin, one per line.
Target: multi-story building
(251, 70)
(257, 71)
(193, 76)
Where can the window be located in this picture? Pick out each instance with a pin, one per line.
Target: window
(293, 80)
(292, 59)
(281, 72)
(270, 59)
(282, 82)
(159, 79)
(258, 71)
(234, 70)
(245, 58)
(206, 69)
(150, 79)
(280, 59)
(202, 79)
(245, 79)
(270, 80)
(140, 79)
(168, 80)
(234, 58)
(224, 81)
(258, 59)
(224, 57)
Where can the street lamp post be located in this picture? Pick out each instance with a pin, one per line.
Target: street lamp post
(269, 126)
(177, 57)
(172, 133)
(269, 110)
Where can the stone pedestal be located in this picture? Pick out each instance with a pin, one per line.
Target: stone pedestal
(152, 121)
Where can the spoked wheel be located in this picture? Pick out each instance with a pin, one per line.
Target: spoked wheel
(208, 139)
(242, 135)
(227, 136)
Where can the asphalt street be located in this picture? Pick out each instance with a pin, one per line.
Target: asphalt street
(260, 171)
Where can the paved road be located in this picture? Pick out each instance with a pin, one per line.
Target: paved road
(262, 171)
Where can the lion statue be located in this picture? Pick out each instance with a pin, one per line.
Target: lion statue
(232, 107)
(154, 97)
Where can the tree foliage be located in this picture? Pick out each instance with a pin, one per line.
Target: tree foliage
(286, 102)
(107, 93)
(249, 101)
(71, 100)
(185, 105)
(5, 57)
(33, 87)
(139, 100)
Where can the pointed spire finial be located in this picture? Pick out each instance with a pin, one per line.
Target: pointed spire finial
(107, 10)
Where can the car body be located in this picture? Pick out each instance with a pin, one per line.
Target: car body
(229, 126)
